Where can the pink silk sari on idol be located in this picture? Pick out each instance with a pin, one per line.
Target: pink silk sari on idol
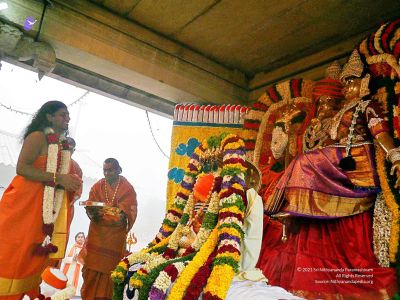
(329, 255)
(316, 187)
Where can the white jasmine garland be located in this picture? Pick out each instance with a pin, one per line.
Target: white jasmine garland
(138, 257)
(52, 153)
(201, 237)
(163, 281)
(48, 200)
(214, 203)
(66, 293)
(150, 265)
(177, 234)
(63, 294)
(52, 196)
(175, 237)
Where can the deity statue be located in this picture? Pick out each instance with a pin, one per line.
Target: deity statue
(330, 190)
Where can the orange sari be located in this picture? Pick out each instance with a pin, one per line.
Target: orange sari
(105, 245)
(20, 231)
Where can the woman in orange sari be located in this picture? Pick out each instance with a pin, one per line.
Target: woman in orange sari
(26, 218)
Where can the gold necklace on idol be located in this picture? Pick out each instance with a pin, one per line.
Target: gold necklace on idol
(115, 192)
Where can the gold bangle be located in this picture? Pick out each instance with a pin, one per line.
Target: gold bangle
(55, 178)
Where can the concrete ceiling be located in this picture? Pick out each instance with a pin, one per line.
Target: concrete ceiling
(256, 36)
(214, 51)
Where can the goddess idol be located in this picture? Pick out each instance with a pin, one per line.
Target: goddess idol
(330, 191)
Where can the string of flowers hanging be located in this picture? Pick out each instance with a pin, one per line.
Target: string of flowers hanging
(58, 161)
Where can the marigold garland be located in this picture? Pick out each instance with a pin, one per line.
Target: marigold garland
(218, 283)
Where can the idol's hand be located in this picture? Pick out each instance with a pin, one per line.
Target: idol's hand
(396, 168)
(71, 182)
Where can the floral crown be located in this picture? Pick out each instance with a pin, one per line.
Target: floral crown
(353, 68)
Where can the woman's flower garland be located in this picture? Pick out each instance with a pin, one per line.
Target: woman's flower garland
(53, 194)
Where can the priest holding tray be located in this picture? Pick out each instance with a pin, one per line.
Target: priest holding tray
(112, 209)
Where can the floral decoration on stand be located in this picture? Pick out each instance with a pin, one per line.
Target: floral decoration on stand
(58, 161)
(180, 253)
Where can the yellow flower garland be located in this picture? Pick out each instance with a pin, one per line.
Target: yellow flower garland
(219, 281)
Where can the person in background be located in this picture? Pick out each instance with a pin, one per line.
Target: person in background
(73, 262)
(108, 229)
(27, 204)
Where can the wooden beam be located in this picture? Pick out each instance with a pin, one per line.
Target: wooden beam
(91, 38)
(104, 86)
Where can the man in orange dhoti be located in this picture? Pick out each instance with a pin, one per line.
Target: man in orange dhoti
(28, 215)
(105, 244)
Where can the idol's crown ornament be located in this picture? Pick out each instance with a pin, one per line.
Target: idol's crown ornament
(353, 68)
